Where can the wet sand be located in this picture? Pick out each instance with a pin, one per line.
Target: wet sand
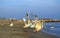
(17, 31)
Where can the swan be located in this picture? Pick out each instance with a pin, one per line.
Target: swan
(37, 24)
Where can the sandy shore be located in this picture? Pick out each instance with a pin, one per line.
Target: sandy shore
(25, 33)
(16, 31)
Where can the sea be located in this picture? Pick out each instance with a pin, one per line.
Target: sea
(52, 28)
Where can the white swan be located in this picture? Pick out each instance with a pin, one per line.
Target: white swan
(11, 24)
(37, 25)
(27, 23)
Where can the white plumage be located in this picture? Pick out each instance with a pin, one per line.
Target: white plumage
(11, 24)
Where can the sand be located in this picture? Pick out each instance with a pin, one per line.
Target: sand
(17, 31)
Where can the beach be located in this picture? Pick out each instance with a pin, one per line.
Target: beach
(17, 31)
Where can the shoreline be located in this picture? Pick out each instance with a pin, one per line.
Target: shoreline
(16, 31)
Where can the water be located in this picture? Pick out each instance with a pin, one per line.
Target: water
(55, 30)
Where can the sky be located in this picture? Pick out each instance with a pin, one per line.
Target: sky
(18, 8)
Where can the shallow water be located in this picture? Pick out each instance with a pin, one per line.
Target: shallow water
(55, 30)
